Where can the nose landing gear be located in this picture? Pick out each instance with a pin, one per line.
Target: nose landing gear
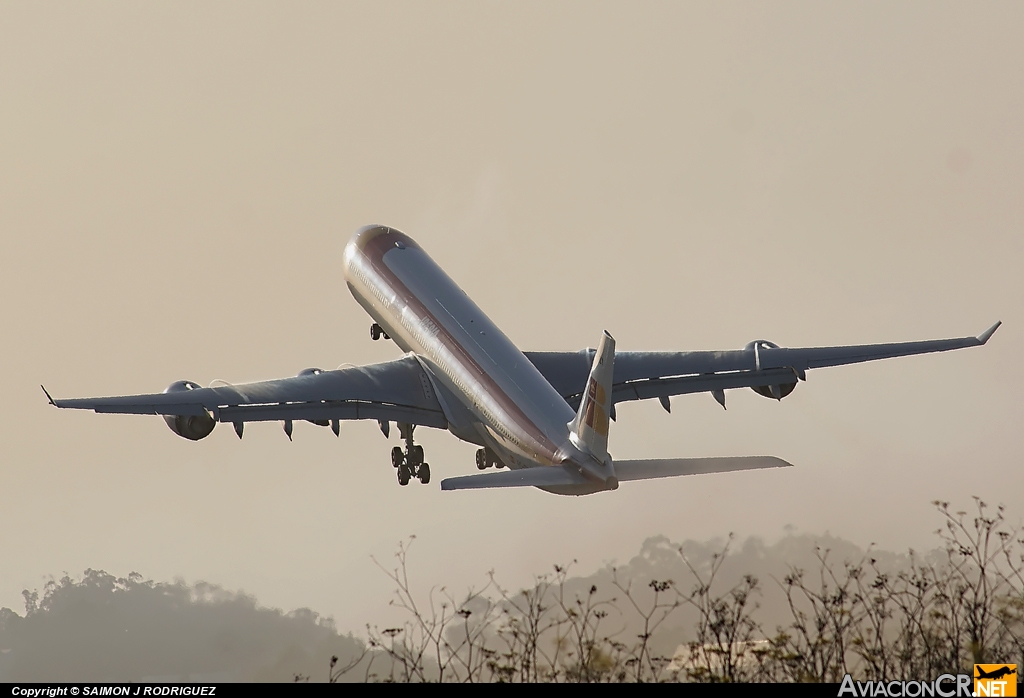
(376, 332)
(409, 462)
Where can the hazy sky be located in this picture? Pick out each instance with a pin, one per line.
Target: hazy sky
(178, 181)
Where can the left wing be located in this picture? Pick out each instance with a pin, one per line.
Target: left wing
(398, 391)
(762, 365)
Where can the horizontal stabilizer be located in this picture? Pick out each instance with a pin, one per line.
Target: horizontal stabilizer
(554, 476)
(673, 467)
(541, 476)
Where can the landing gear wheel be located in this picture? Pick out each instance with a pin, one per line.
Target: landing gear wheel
(375, 331)
(416, 455)
(409, 460)
(481, 459)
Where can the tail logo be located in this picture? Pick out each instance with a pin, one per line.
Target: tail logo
(595, 417)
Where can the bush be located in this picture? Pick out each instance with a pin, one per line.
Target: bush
(936, 615)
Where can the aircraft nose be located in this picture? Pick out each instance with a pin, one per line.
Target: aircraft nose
(375, 240)
(367, 233)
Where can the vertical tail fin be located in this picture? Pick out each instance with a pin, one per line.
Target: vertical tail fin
(589, 431)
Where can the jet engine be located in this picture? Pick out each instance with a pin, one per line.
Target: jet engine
(775, 392)
(314, 372)
(189, 426)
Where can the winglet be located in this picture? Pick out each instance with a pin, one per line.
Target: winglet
(983, 337)
(48, 396)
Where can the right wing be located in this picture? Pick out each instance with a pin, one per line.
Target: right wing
(640, 375)
(397, 391)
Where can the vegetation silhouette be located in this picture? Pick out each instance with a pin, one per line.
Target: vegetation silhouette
(808, 609)
(922, 617)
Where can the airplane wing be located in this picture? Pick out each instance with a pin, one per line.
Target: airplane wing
(625, 470)
(397, 391)
(640, 375)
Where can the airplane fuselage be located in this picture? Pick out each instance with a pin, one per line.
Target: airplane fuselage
(511, 407)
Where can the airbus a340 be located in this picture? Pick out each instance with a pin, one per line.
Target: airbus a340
(544, 415)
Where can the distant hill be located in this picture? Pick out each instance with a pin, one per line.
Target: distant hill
(102, 628)
(662, 560)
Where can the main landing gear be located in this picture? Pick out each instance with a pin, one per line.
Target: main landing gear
(376, 332)
(409, 462)
(485, 458)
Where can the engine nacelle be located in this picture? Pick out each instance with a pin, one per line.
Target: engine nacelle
(314, 372)
(189, 426)
(775, 392)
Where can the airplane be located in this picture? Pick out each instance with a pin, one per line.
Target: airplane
(544, 415)
(999, 673)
